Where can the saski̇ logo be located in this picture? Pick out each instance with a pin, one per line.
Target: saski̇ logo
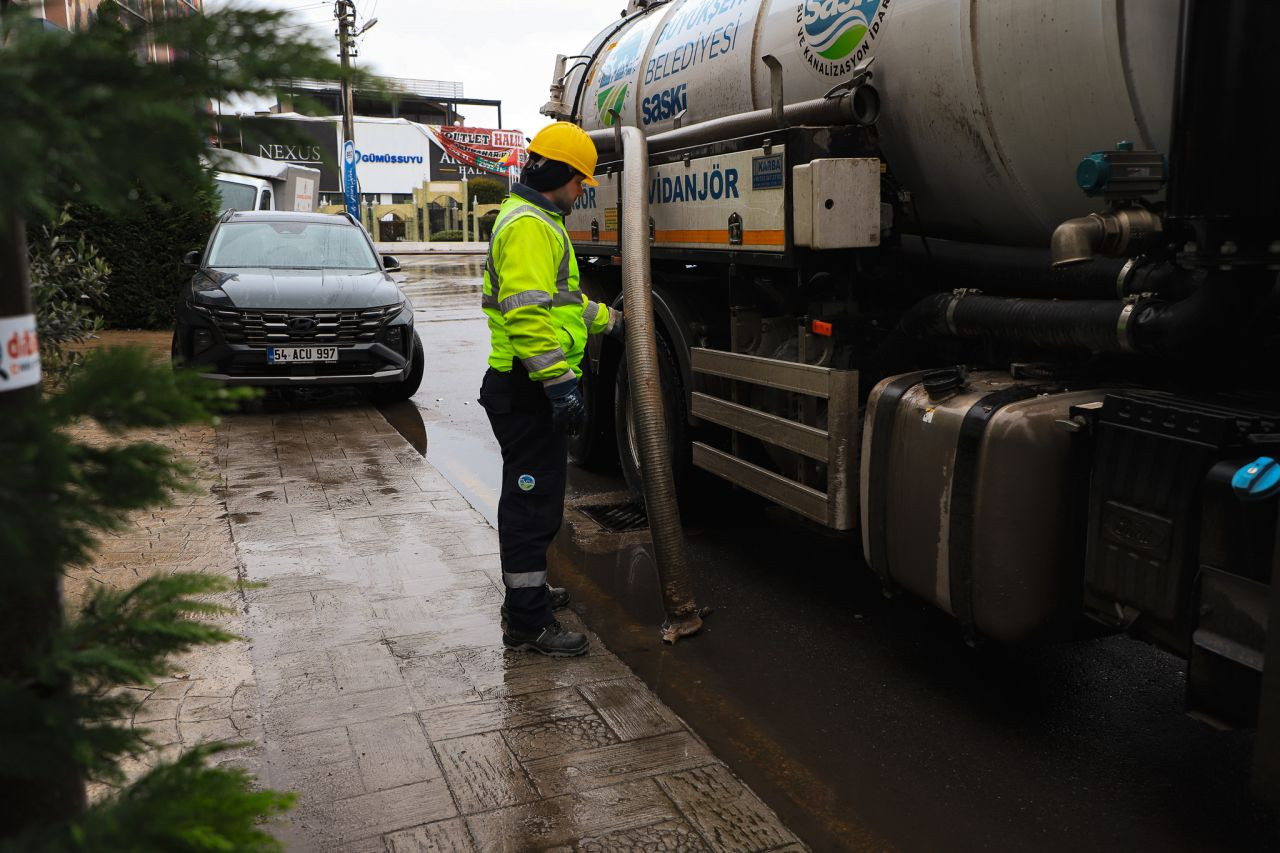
(834, 28)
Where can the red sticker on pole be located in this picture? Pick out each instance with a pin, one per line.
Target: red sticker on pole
(822, 328)
(20, 353)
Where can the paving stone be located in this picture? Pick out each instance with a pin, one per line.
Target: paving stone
(506, 712)
(203, 731)
(381, 812)
(171, 689)
(630, 708)
(296, 677)
(446, 836)
(326, 746)
(372, 844)
(458, 632)
(195, 708)
(608, 765)
(436, 680)
(537, 673)
(541, 740)
(156, 709)
(563, 820)
(725, 811)
(245, 698)
(355, 529)
(304, 493)
(319, 785)
(346, 497)
(345, 709)
(364, 666)
(161, 732)
(675, 836)
(483, 773)
(393, 752)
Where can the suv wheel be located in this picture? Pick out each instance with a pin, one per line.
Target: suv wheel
(393, 392)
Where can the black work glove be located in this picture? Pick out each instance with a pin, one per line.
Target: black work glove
(568, 412)
(617, 324)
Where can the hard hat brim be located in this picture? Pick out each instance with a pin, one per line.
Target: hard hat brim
(589, 181)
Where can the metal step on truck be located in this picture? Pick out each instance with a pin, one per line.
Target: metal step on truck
(994, 283)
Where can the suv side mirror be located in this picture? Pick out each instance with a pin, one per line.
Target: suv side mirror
(191, 259)
(390, 264)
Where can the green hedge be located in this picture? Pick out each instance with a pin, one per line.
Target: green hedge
(488, 190)
(143, 245)
(446, 237)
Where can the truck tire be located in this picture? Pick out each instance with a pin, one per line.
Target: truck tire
(677, 417)
(394, 392)
(595, 448)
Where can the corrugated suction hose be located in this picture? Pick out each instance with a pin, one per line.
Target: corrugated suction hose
(647, 411)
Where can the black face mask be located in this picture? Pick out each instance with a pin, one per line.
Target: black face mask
(543, 175)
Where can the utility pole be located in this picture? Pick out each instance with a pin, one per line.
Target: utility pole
(345, 12)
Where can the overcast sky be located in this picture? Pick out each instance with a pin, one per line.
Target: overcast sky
(501, 49)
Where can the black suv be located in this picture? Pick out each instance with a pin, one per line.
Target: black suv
(282, 298)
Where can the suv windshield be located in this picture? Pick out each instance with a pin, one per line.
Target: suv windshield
(290, 245)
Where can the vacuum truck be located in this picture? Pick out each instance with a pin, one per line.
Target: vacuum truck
(993, 282)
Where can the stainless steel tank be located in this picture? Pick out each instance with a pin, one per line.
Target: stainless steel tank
(973, 500)
(988, 105)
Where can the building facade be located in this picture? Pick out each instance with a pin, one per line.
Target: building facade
(75, 14)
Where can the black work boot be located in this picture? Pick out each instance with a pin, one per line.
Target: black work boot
(557, 595)
(551, 640)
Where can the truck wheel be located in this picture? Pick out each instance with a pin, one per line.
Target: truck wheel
(595, 448)
(673, 403)
(393, 392)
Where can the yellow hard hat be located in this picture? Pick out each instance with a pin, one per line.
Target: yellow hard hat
(568, 143)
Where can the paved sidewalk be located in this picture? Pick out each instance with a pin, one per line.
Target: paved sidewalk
(209, 694)
(384, 694)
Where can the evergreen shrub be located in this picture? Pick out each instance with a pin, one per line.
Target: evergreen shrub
(143, 245)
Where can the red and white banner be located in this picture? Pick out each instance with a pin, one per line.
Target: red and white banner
(494, 151)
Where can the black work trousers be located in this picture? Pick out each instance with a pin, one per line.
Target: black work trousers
(531, 505)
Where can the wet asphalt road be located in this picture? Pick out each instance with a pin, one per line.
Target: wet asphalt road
(865, 722)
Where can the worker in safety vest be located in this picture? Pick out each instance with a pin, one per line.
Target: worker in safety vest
(538, 324)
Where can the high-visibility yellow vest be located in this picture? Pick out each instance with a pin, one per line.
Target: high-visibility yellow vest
(531, 298)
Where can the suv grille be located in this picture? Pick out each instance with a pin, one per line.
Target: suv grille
(263, 328)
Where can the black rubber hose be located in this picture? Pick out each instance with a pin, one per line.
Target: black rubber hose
(1026, 272)
(1094, 325)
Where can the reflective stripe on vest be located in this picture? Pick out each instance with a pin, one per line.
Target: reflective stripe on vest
(563, 295)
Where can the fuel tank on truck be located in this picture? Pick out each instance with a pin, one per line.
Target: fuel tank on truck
(987, 105)
(974, 498)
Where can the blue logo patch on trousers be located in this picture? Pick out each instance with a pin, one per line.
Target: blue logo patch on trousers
(525, 482)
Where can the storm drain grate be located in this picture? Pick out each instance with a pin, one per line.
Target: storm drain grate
(617, 518)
